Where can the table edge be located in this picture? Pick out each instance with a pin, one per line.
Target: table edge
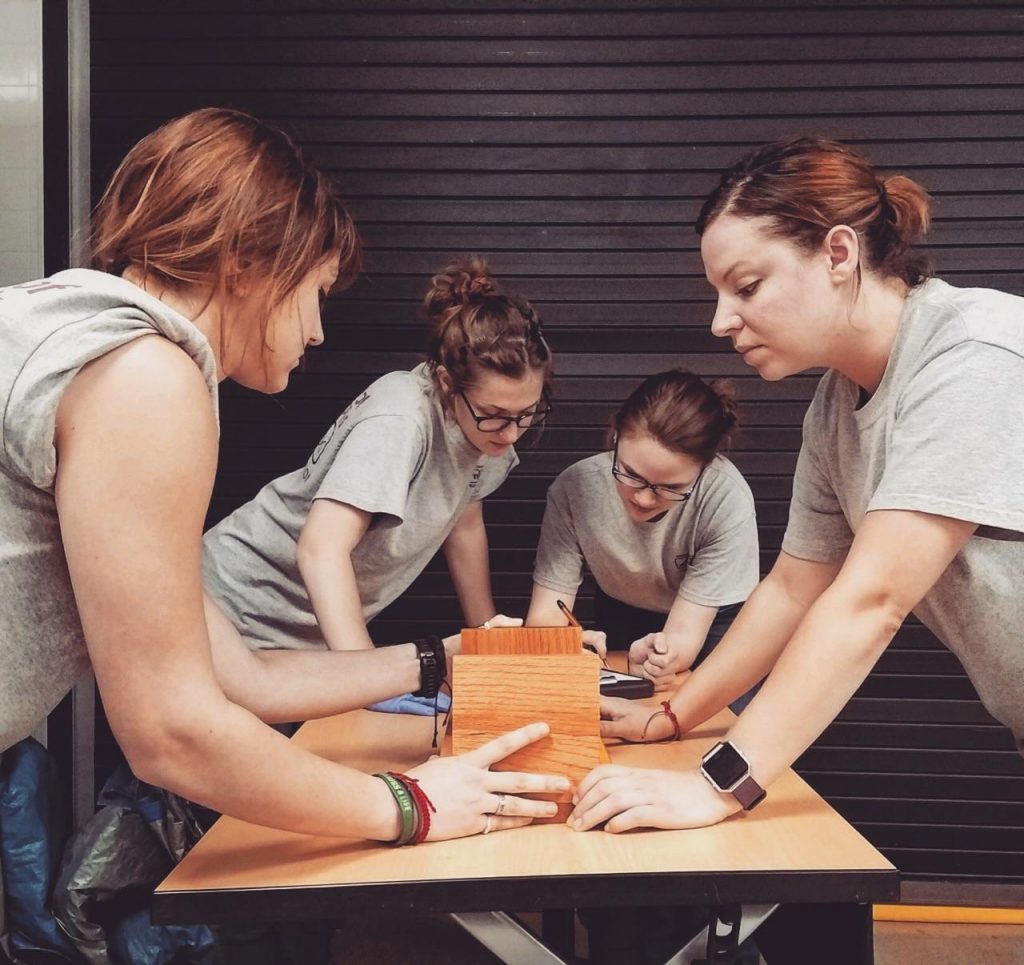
(527, 893)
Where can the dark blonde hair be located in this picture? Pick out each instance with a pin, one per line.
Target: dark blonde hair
(474, 327)
(808, 185)
(217, 199)
(681, 412)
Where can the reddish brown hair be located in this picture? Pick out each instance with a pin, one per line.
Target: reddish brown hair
(475, 326)
(681, 412)
(808, 185)
(218, 199)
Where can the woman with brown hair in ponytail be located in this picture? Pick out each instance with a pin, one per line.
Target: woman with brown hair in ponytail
(401, 473)
(909, 488)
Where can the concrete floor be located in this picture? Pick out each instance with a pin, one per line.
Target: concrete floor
(438, 941)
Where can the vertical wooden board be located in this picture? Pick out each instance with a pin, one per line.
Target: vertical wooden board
(493, 694)
(532, 640)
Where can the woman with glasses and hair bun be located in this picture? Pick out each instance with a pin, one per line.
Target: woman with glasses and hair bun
(663, 521)
(402, 472)
(909, 488)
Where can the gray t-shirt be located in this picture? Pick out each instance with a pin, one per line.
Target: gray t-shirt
(49, 329)
(392, 453)
(703, 550)
(943, 434)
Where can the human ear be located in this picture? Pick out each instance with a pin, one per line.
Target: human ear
(842, 245)
(445, 379)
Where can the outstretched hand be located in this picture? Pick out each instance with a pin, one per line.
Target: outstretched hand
(623, 798)
(471, 798)
(633, 721)
(500, 620)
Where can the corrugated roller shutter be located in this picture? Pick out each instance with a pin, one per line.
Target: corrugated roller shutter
(573, 147)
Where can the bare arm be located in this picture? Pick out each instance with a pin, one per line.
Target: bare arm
(137, 445)
(132, 488)
(662, 655)
(329, 536)
(544, 612)
(469, 563)
(895, 559)
(744, 655)
(289, 685)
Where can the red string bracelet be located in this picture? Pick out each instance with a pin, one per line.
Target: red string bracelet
(670, 714)
(424, 805)
(666, 710)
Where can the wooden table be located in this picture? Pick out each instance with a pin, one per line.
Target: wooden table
(794, 848)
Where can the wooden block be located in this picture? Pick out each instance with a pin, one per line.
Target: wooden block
(533, 640)
(494, 693)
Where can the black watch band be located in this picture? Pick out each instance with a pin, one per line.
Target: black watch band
(433, 665)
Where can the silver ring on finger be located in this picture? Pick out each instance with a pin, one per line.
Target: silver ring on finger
(487, 824)
(500, 809)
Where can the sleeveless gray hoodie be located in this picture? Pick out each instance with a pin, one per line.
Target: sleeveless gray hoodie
(49, 329)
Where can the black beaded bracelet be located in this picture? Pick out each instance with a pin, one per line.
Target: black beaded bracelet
(433, 665)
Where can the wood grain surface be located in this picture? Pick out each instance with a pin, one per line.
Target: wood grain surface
(494, 693)
(538, 640)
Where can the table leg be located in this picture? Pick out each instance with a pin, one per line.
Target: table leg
(506, 938)
(727, 937)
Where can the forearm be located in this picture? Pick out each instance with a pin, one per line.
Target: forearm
(221, 756)
(686, 629)
(746, 653)
(544, 610)
(830, 654)
(468, 557)
(289, 685)
(330, 580)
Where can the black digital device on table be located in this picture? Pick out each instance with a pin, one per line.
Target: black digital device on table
(616, 684)
(613, 683)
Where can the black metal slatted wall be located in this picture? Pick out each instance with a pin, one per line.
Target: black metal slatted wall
(573, 145)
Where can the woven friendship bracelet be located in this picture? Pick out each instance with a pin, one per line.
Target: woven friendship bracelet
(424, 806)
(406, 808)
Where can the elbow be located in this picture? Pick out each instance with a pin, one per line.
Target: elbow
(307, 553)
(876, 611)
(170, 753)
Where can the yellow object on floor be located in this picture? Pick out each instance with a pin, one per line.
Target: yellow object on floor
(949, 913)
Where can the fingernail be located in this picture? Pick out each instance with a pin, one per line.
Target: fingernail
(552, 809)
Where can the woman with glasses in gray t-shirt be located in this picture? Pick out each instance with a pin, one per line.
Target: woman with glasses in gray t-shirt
(665, 524)
(400, 474)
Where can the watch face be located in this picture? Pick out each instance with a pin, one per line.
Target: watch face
(725, 766)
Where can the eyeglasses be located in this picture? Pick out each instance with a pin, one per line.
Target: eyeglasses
(639, 483)
(525, 420)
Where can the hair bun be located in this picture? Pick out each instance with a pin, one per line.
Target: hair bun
(462, 282)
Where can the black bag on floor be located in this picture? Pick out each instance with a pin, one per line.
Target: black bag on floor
(110, 869)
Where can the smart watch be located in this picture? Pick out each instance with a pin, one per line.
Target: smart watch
(728, 771)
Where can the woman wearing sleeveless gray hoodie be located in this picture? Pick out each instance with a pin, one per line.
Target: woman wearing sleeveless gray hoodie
(216, 236)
